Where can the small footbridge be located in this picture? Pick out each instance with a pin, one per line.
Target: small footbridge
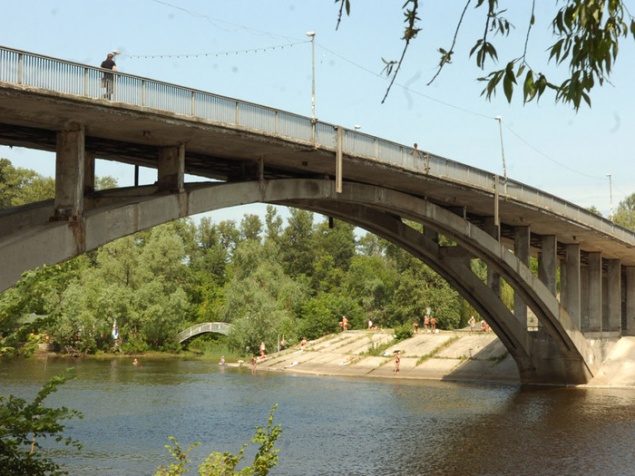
(203, 328)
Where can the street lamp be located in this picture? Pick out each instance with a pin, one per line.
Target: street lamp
(610, 194)
(500, 127)
(311, 34)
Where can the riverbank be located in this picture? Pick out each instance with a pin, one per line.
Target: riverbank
(459, 356)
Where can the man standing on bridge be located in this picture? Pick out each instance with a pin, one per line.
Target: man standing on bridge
(108, 79)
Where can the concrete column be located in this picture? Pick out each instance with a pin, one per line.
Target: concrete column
(593, 294)
(69, 172)
(171, 173)
(614, 295)
(89, 173)
(571, 284)
(431, 234)
(522, 244)
(493, 278)
(630, 302)
(548, 262)
(584, 292)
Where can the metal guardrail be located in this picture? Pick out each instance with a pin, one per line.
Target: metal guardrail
(33, 70)
(204, 328)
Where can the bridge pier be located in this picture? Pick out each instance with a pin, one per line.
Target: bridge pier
(171, 169)
(629, 297)
(493, 277)
(571, 282)
(614, 295)
(522, 251)
(592, 302)
(69, 172)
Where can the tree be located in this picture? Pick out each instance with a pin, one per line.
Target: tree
(296, 244)
(21, 186)
(251, 227)
(23, 425)
(587, 33)
(261, 300)
(625, 213)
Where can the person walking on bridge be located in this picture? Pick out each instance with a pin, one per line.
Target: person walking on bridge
(108, 79)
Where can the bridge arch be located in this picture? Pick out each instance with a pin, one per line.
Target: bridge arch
(117, 213)
(203, 328)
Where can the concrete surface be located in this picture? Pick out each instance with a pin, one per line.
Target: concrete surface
(460, 356)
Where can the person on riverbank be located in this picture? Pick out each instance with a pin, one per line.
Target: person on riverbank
(433, 325)
(344, 323)
(254, 365)
(222, 360)
(472, 323)
(263, 350)
(426, 323)
(397, 361)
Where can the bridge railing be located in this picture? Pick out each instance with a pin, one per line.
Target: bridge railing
(205, 327)
(32, 70)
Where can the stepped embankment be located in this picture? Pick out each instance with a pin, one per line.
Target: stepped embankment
(459, 356)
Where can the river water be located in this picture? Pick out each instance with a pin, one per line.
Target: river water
(331, 426)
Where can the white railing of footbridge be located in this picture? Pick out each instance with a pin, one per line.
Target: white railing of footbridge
(33, 70)
(204, 328)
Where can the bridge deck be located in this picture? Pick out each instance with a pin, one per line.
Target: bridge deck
(227, 139)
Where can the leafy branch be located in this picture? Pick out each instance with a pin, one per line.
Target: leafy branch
(588, 33)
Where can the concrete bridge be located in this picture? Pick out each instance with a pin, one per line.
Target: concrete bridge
(246, 153)
(203, 328)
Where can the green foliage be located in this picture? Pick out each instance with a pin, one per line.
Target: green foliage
(224, 464)
(587, 35)
(403, 332)
(625, 213)
(261, 300)
(320, 315)
(24, 425)
(22, 186)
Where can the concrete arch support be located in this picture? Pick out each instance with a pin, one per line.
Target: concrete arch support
(563, 356)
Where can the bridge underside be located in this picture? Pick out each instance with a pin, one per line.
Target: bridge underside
(557, 352)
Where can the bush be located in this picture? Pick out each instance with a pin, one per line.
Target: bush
(403, 332)
(224, 464)
(25, 424)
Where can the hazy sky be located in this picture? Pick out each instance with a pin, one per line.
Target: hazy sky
(258, 51)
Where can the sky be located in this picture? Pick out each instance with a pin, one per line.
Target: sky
(259, 51)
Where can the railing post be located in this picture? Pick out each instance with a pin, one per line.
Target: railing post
(20, 67)
(193, 104)
(143, 92)
(86, 82)
(338, 162)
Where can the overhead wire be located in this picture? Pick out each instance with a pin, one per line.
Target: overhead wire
(293, 42)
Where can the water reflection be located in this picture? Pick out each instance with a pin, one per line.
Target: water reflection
(333, 426)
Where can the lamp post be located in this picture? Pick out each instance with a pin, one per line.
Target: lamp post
(311, 34)
(500, 128)
(610, 194)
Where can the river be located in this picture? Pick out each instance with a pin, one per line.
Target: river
(331, 426)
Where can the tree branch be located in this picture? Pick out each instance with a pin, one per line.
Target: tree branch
(446, 56)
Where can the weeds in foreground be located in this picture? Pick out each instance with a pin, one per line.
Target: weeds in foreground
(224, 464)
